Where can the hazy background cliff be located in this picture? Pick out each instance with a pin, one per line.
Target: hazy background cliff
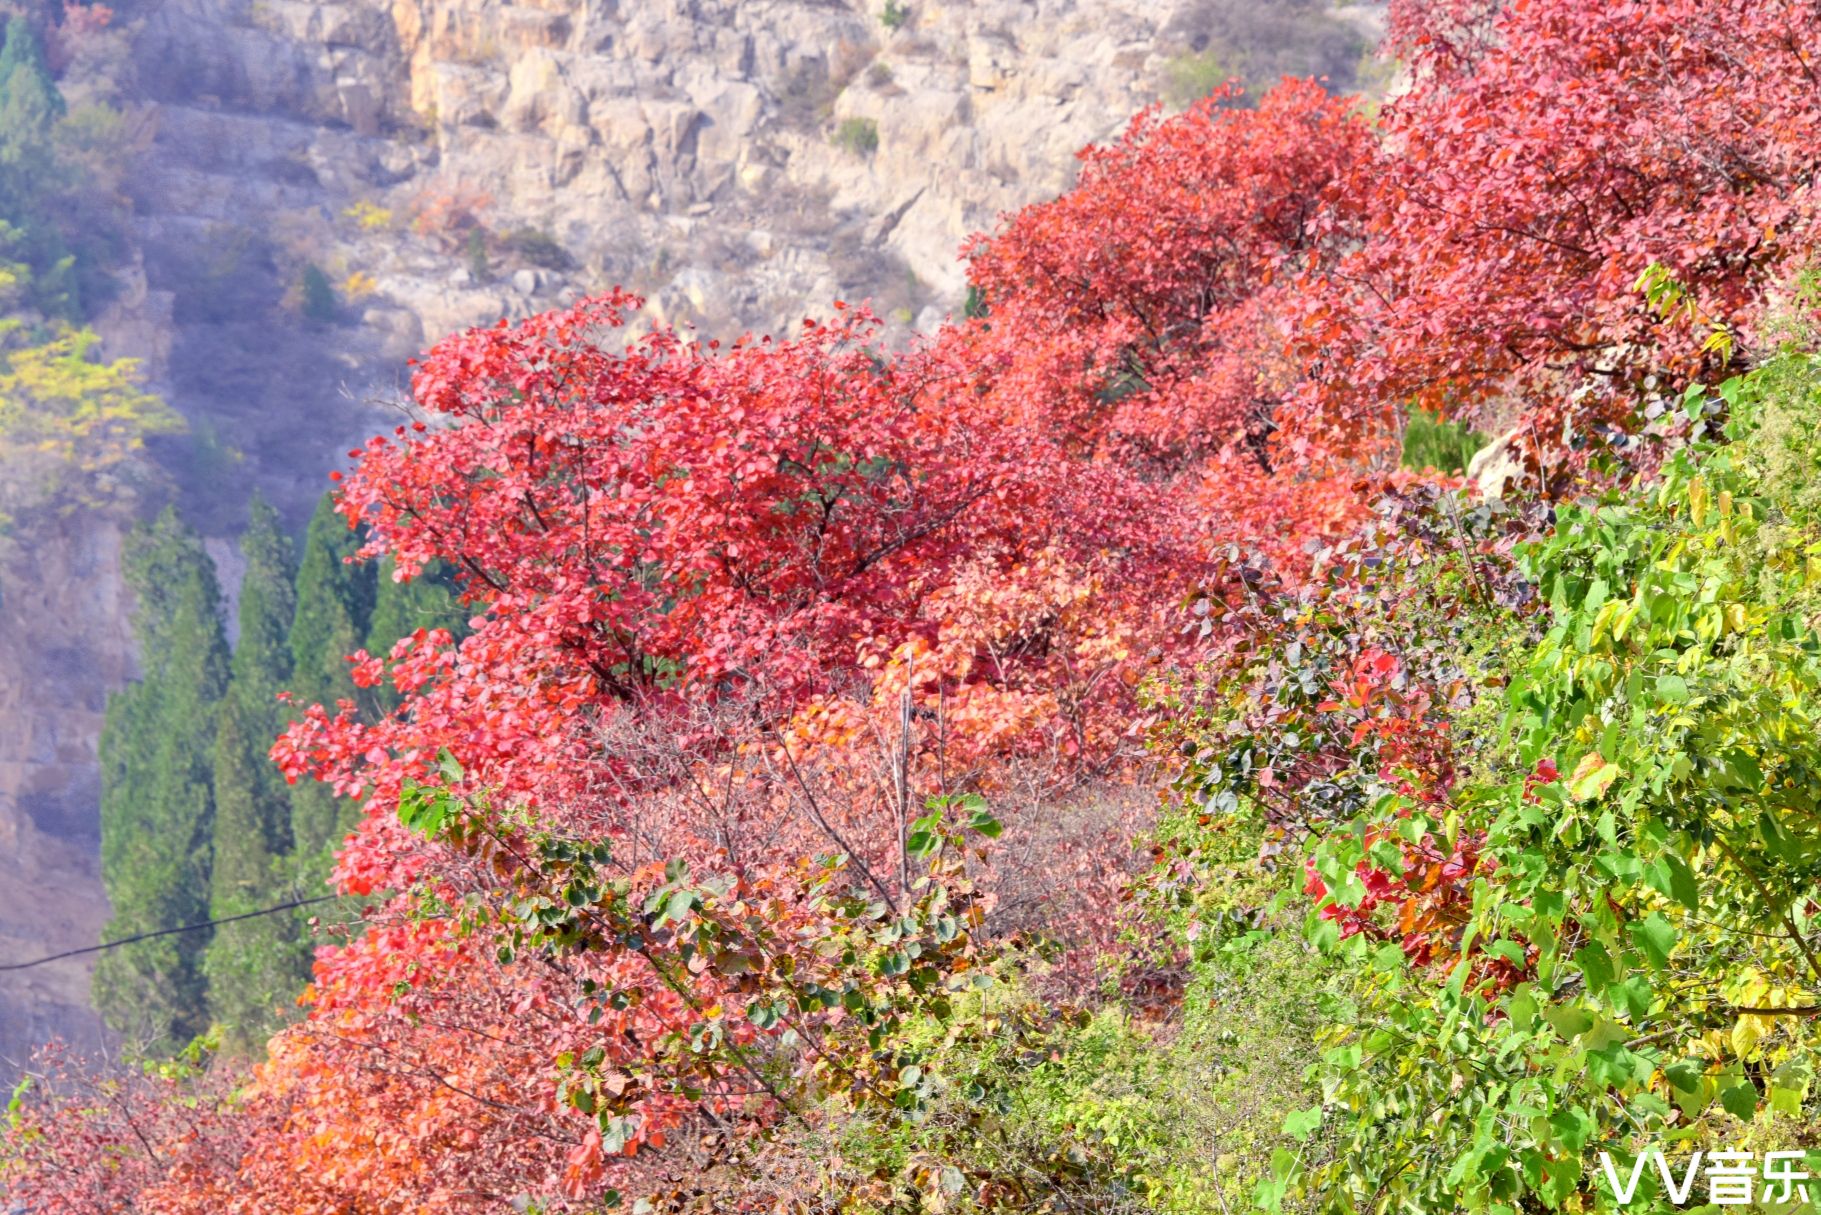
(319, 190)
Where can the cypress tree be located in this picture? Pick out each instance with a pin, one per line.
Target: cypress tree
(157, 803)
(334, 608)
(253, 966)
(29, 105)
(429, 601)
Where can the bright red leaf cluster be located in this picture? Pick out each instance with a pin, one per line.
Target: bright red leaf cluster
(1145, 309)
(1546, 154)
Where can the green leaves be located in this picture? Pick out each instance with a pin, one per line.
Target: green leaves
(675, 907)
(1631, 904)
(1741, 1101)
(1656, 937)
(425, 809)
(1669, 874)
(430, 809)
(1592, 777)
(1303, 1123)
(924, 837)
(931, 833)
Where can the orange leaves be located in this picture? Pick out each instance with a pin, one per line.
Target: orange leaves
(584, 1167)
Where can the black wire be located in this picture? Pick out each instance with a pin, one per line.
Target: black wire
(165, 932)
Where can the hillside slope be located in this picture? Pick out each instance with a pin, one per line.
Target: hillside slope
(444, 163)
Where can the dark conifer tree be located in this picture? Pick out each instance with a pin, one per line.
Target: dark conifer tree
(255, 966)
(429, 601)
(30, 174)
(157, 803)
(22, 62)
(334, 609)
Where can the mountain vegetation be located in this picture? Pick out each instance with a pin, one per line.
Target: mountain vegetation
(1103, 756)
(334, 606)
(255, 966)
(197, 823)
(158, 805)
(73, 424)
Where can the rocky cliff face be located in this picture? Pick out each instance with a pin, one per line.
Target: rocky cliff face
(740, 161)
(744, 162)
(53, 691)
(444, 163)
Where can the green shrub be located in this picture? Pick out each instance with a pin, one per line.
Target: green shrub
(1571, 901)
(1648, 803)
(858, 135)
(318, 295)
(1430, 442)
(540, 249)
(1190, 77)
(1031, 1106)
(1193, 1113)
(894, 15)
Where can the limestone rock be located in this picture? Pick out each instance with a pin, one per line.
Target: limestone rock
(1499, 466)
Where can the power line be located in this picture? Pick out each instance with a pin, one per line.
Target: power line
(165, 932)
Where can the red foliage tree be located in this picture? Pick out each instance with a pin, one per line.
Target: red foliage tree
(673, 523)
(1544, 158)
(1144, 308)
(717, 596)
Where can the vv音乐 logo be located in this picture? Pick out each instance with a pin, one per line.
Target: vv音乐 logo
(1733, 1178)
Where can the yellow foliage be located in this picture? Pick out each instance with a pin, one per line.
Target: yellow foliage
(72, 426)
(369, 217)
(359, 285)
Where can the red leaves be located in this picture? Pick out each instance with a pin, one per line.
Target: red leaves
(1143, 307)
(797, 531)
(667, 521)
(1545, 773)
(584, 1168)
(1546, 155)
(1421, 906)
